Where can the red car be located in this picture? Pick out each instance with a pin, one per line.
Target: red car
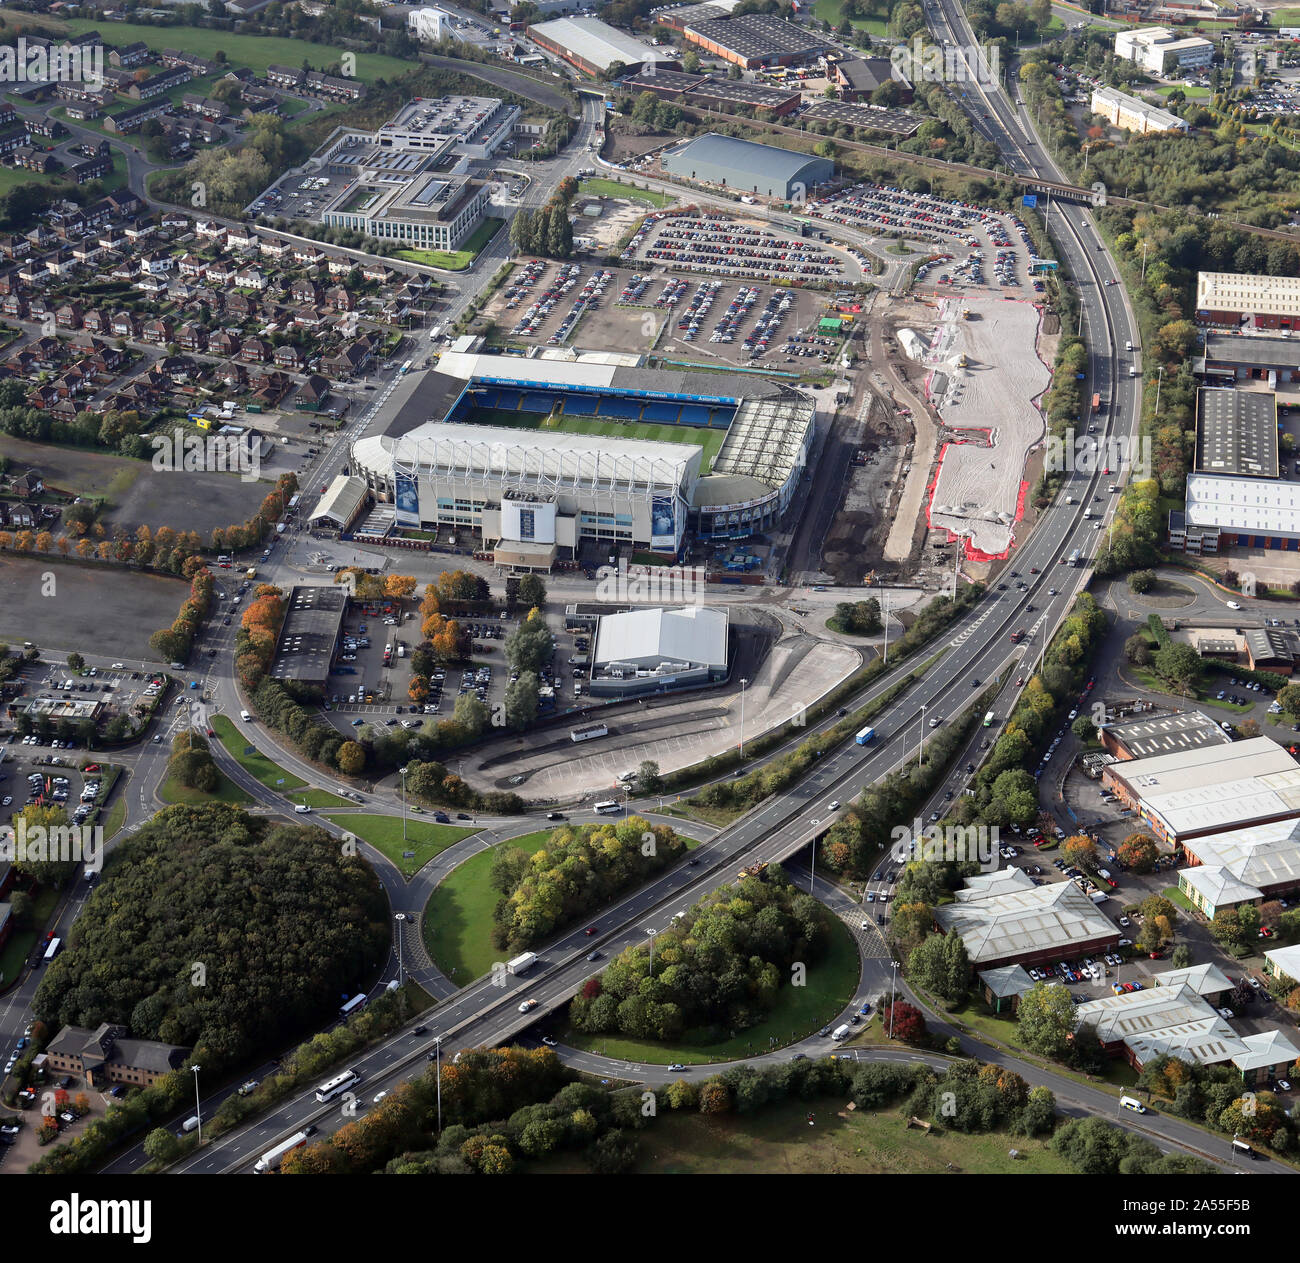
(589, 931)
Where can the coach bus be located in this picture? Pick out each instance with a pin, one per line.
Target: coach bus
(357, 1001)
(864, 736)
(589, 733)
(608, 808)
(53, 949)
(338, 1084)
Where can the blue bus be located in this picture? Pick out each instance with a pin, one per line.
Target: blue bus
(867, 734)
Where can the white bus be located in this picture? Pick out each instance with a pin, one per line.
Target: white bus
(340, 1083)
(357, 1001)
(53, 949)
(609, 808)
(271, 1159)
(589, 733)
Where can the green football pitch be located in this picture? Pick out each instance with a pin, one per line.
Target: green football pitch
(709, 441)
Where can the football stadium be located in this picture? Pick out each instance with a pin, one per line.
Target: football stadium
(538, 456)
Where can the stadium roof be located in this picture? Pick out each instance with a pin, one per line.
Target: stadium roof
(767, 441)
(696, 635)
(596, 42)
(748, 157)
(1213, 789)
(1236, 432)
(595, 374)
(534, 458)
(1251, 506)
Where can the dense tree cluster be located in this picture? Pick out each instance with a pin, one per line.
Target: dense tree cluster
(312, 737)
(716, 971)
(858, 618)
(1095, 1147)
(219, 930)
(175, 642)
(578, 871)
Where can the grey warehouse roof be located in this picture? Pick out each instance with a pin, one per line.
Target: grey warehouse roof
(730, 156)
(1236, 432)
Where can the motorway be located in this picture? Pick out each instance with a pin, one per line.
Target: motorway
(485, 1013)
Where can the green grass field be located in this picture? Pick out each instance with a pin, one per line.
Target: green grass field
(612, 188)
(778, 1138)
(797, 1013)
(832, 11)
(458, 917)
(384, 833)
(254, 51)
(21, 942)
(269, 773)
(707, 440)
(172, 791)
(456, 260)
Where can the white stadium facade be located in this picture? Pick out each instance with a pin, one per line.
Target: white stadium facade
(536, 492)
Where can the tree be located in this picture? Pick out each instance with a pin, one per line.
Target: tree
(940, 964)
(521, 701)
(1181, 957)
(1142, 580)
(1084, 728)
(1138, 852)
(1079, 850)
(1249, 728)
(648, 779)
(1227, 930)
(1159, 917)
(1179, 664)
(532, 591)
(1137, 649)
(76, 663)
(161, 1145)
(1046, 1019)
(900, 1020)
(351, 758)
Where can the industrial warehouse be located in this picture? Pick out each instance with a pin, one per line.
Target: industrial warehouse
(540, 456)
(594, 46)
(748, 167)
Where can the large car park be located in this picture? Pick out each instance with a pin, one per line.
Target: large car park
(724, 247)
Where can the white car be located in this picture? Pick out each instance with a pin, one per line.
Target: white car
(833, 805)
(379, 1096)
(1232, 605)
(527, 1006)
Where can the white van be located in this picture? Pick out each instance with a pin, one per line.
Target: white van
(842, 1032)
(1131, 1103)
(1128, 346)
(302, 809)
(190, 1124)
(245, 716)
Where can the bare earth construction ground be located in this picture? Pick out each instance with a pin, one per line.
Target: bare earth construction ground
(137, 494)
(978, 486)
(111, 610)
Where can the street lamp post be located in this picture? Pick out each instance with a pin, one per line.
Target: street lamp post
(198, 1109)
(893, 971)
(920, 746)
(884, 599)
(403, 772)
(743, 685)
(437, 1053)
(401, 975)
